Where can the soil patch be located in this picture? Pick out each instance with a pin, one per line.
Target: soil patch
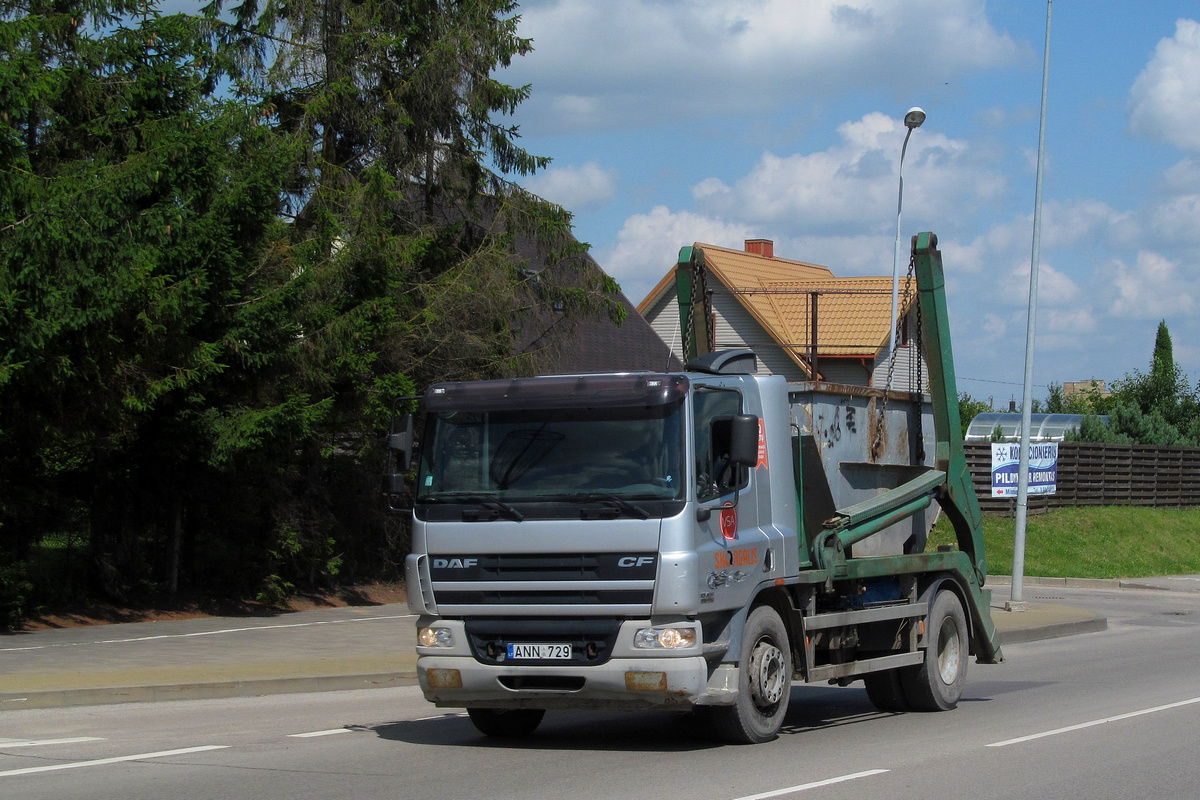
(372, 594)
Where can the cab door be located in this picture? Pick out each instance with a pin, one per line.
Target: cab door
(732, 545)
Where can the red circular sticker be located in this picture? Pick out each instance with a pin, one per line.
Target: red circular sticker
(729, 523)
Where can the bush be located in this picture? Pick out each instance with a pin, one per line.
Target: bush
(15, 590)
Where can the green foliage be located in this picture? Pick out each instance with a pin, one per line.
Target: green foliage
(1157, 408)
(968, 409)
(1055, 404)
(1093, 429)
(207, 304)
(15, 591)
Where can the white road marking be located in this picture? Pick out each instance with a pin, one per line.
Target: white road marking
(318, 733)
(814, 785)
(441, 716)
(100, 761)
(1094, 722)
(7, 743)
(206, 633)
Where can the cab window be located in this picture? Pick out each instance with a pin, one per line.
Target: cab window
(716, 474)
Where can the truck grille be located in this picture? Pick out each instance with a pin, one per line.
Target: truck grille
(620, 583)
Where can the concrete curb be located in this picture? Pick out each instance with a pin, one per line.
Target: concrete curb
(1053, 630)
(1183, 583)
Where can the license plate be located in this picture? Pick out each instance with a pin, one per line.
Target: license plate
(539, 651)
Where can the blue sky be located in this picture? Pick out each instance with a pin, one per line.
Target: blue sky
(674, 121)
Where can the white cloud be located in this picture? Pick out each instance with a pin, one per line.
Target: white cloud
(1174, 212)
(1151, 289)
(1068, 322)
(844, 188)
(993, 327)
(1054, 287)
(1165, 100)
(575, 188)
(625, 61)
(648, 246)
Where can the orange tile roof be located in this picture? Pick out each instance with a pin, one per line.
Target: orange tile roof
(852, 313)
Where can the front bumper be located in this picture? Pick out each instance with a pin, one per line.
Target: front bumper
(630, 678)
(626, 683)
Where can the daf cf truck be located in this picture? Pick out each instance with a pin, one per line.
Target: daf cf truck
(665, 540)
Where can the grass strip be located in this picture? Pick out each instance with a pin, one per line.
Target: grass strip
(1093, 542)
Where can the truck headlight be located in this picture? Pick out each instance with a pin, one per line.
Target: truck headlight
(435, 637)
(664, 638)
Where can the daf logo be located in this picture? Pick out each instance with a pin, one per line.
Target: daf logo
(634, 561)
(455, 563)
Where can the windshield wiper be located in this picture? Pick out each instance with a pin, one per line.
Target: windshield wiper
(613, 501)
(485, 501)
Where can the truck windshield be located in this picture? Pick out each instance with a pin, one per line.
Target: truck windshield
(627, 458)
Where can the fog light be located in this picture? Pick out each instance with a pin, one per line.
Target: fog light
(435, 637)
(664, 638)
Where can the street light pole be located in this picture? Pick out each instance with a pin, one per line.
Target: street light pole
(912, 121)
(1017, 595)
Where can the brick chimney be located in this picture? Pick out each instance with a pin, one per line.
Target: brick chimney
(761, 247)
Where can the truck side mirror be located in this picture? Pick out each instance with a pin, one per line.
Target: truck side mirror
(400, 452)
(743, 440)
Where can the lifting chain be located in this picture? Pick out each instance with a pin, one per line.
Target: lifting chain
(877, 443)
(699, 280)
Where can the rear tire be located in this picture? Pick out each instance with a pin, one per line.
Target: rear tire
(885, 692)
(764, 683)
(506, 723)
(937, 684)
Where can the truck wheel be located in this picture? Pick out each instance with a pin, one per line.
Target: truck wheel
(764, 682)
(885, 692)
(506, 723)
(937, 684)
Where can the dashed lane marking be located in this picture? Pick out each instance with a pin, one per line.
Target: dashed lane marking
(7, 743)
(118, 759)
(441, 716)
(1093, 723)
(814, 785)
(314, 734)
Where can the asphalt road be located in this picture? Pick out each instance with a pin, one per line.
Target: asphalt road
(1113, 714)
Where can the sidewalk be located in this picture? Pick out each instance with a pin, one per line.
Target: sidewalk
(212, 657)
(327, 650)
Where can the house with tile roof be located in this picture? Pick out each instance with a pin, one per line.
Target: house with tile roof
(801, 320)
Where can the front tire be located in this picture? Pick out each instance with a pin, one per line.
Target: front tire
(937, 684)
(506, 723)
(764, 682)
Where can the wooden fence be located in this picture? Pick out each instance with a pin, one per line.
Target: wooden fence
(1101, 475)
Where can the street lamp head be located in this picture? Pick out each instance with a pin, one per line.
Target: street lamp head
(914, 118)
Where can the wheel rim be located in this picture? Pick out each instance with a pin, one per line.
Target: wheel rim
(767, 678)
(949, 651)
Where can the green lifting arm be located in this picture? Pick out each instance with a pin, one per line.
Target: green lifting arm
(693, 319)
(958, 498)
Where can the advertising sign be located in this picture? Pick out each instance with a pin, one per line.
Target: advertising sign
(1043, 468)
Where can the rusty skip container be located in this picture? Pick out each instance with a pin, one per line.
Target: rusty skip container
(865, 441)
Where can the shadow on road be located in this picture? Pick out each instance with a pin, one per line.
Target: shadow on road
(812, 708)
